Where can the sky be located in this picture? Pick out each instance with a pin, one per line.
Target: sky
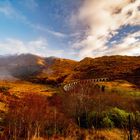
(72, 29)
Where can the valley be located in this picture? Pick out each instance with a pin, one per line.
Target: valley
(54, 98)
(69, 70)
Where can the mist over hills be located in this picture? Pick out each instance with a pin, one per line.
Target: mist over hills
(57, 70)
(33, 67)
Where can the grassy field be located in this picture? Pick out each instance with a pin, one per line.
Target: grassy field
(122, 87)
(19, 88)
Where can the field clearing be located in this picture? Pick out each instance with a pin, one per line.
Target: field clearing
(122, 87)
(19, 87)
(119, 84)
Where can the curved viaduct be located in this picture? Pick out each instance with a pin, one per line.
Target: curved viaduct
(71, 85)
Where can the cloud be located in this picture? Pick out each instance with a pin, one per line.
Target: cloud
(38, 47)
(130, 45)
(104, 18)
(9, 11)
(43, 29)
(6, 10)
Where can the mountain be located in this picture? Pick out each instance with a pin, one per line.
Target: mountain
(54, 70)
(113, 67)
(20, 66)
(35, 68)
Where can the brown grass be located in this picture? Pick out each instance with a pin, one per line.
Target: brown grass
(113, 134)
(19, 87)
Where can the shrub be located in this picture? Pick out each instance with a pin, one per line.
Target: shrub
(82, 120)
(119, 117)
(92, 119)
(4, 89)
(137, 120)
(109, 119)
(107, 122)
(95, 119)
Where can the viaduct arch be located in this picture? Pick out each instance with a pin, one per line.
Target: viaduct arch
(73, 84)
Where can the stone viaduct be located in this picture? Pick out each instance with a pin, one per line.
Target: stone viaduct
(75, 83)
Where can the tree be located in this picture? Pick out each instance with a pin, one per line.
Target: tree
(26, 117)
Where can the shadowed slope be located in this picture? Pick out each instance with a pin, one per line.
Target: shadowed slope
(113, 67)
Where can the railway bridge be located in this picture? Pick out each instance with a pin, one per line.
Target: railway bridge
(72, 84)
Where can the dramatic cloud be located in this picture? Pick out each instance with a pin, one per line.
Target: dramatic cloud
(38, 47)
(130, 45)
(104, 18)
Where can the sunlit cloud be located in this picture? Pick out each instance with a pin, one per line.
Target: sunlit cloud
(130, 45)
(38, 47)
(104, 18)
(96, 28)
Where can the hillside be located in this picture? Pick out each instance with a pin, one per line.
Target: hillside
(114, 67)
(54, 70)
(35, 68)
(79, 110)
(20, 66)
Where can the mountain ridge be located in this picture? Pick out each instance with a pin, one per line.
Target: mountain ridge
(55, 70)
